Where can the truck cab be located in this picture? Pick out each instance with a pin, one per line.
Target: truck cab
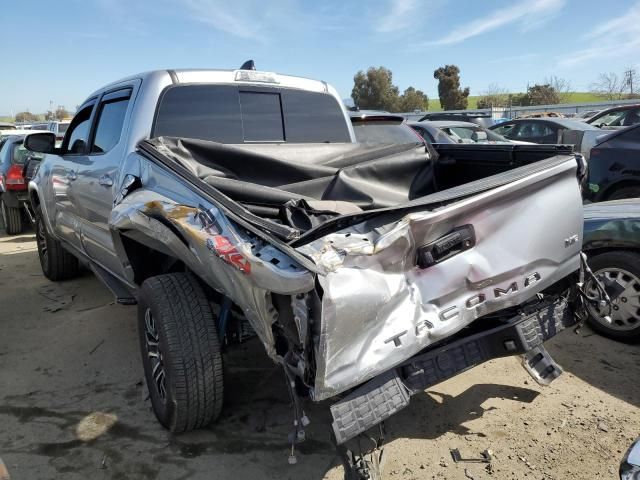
(226, 106)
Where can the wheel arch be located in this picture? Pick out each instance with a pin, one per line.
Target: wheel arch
(623, 183)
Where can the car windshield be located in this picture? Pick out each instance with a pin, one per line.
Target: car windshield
(383, 132)
(612, 119)
(62, 127)
(464, 134)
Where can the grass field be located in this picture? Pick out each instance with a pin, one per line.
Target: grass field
(574, 97)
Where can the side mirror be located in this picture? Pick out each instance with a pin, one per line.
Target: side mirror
(40, 142)
(630, 466)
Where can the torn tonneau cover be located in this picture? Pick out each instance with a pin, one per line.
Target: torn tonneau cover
(378, 306)
(298, 182)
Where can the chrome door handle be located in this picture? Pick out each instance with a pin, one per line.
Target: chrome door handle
(72, 175)
(105, 180)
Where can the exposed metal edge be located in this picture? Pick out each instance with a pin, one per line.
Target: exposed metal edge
(434, 200)
(229, 207)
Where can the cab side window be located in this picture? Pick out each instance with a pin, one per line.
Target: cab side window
(111, 113)
(77, 137)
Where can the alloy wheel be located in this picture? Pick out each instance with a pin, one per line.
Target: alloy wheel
(154, 353)
(624, 289)
(41, 240)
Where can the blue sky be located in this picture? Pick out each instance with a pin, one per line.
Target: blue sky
(62, 50)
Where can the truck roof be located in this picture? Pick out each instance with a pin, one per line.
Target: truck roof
(255, 77)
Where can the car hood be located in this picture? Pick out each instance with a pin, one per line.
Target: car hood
(614, 224)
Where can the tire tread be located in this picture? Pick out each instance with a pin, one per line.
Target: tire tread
(193, 361)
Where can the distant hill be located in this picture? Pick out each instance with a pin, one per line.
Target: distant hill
(574, 97)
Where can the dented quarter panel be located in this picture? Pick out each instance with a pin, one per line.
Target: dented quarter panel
(164, 200)
(379, 309)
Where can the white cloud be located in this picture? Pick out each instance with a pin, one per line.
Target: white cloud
(399, 17)
(617, 37)
(257, 20)
(404, 14)
(528, 14)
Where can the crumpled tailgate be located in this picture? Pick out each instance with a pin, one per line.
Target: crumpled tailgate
(380, 308)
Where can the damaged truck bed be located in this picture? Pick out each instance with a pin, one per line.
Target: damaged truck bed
(369, 272)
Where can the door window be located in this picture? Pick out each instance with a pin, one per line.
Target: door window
(505, 130)
(75, 142)
(109, 126)
(534, 130)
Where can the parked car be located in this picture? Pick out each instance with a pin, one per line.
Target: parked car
(543, 115)
(630, 464)
(612, 243)
(539, 130)
(357, 272)
(617, 117)
(59, 128)
(614, 166)
(456, 132)
(586, 115)
(7, 126)
(380, 127)
(13, 186)
(482, 119)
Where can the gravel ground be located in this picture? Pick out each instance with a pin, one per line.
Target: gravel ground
(72, 403)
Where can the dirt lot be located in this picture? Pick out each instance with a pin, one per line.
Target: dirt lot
(73, 403)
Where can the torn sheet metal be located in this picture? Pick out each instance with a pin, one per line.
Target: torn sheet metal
(379, 308)
(244, 268)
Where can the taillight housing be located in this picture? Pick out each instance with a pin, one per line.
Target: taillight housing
(14, 179)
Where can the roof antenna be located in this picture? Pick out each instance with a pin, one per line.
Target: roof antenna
(248, 65)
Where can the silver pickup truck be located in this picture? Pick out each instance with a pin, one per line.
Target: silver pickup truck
(235, 203)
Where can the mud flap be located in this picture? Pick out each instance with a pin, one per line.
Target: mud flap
(541, 366)
(368, 406)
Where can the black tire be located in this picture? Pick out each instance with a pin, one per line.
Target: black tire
(56, 262)
(174, 313)
(617, 261)
(625, 192)
(11, 218)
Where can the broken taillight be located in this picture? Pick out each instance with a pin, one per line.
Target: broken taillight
(228, 252)
(14, 179)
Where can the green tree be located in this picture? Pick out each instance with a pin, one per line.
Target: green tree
(519, 99)
(412, 100)
(61, 113)
(452, 97)
(494, 96)
(26, 117)
(375, 90)
(544, 94)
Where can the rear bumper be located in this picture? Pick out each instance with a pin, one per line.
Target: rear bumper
(383, 396)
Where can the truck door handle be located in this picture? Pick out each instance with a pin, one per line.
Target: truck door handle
(457, 241)
(72, 175)
(105, 180)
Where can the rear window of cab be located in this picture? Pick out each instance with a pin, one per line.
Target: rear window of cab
(238, 114)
